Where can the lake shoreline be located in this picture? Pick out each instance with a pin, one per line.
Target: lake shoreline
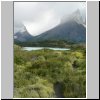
(40, 48)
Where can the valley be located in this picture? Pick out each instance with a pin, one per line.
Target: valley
(51, 62)
(49, 73)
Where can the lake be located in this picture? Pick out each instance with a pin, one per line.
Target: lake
(39, 48)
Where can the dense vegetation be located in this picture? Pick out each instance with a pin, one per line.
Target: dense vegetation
(38, 73)
(50, 43)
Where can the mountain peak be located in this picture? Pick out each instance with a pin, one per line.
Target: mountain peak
(23, 29)
(75, 16)
(22, 35)
(77, 12)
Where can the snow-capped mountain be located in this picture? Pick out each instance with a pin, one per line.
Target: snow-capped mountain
(76, 16)
(72, 28)
(22, 35)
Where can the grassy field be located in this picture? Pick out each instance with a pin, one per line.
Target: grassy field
(49, 74)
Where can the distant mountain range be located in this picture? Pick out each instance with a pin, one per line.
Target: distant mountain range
(22, 35)
(72, 28)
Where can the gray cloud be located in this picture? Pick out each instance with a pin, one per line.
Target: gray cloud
(41, 16)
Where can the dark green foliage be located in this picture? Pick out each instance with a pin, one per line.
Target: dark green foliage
(37, 72)
(51, 43)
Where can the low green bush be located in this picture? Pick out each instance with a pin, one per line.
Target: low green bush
(36, 73)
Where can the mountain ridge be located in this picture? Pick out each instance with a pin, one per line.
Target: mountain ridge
(71, 29)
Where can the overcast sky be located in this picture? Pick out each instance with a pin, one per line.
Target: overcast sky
(39, 17)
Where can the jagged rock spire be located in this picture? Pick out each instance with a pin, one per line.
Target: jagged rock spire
(76, 16)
